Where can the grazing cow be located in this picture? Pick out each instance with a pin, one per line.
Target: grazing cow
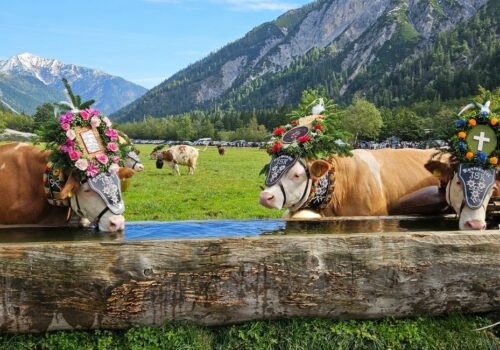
(222, 150)
(133, 161)
(180, 155)
(368, 183)
(23, 200)
(455, 186)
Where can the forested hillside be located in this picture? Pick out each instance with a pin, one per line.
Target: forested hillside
(392, 52)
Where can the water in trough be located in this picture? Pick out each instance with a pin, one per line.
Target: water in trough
(231, 228)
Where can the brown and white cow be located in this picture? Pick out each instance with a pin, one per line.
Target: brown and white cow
(469, 218)
(368, 183)
(23, 201)
(180, 155)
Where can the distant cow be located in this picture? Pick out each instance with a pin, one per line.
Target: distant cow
(23, 200)
(180, 155)
(368, 183)
(222, 150)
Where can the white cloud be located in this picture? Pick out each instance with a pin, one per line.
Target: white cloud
(258, 5)
(241, 5)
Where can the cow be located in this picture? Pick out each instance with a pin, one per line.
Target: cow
(132, 161)
(23, 200)
(222, 150)
(470, 218)
(368, 183)
(180, 155)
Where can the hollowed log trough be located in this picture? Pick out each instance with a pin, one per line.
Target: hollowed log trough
(114, 285)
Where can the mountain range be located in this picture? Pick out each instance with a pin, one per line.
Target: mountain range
(345, 47)
(27, 81)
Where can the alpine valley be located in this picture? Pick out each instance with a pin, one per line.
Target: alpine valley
(390, 51)
(27, 81)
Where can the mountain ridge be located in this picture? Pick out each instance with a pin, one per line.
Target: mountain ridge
(28, 70)
(352, 37)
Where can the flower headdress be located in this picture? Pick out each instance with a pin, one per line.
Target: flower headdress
(309, 137)
(82, 139)
(476, 139)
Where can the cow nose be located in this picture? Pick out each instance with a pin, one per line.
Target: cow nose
(475, 225)
(116, 223)
(266, 199)
(139, 167)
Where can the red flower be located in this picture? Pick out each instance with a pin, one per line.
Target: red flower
(295, 122)
(278, 131)
(319, 127)
(277, 147)
(303, 139)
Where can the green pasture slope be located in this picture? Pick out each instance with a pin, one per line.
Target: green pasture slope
(222, 188)
(227, 188)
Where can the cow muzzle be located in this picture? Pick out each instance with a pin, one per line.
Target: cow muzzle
(268, 200)
(475, 225)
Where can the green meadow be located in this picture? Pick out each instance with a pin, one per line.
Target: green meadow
(224, 187)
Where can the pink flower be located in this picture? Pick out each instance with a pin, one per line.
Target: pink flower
(115, 159)
(74, 155)
(93, 112)
(65, 126)
(70, 143)
(114, 168)
(102, 158)
(66, 118)
(107, 122)
(82, 164)
(112, 147)
(84, 115)
(92, 170)
(112, 134)
(66, 148)
(70, 134)
(95, 122)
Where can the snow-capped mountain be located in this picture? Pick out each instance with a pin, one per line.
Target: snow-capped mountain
(21, 75)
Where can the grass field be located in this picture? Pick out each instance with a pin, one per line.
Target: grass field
(222, 188)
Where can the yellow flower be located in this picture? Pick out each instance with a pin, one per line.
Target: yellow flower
(472, 122)
(462, 134)
(494, 160)
(494, 121)
(469, 155)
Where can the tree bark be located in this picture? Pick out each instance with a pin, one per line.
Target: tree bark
(88, 285)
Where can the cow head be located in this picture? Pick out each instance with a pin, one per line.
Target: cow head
(134, 162)
(289, 182)
(459, 187)
(89, 203)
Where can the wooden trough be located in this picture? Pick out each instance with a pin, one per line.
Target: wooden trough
(116, 284)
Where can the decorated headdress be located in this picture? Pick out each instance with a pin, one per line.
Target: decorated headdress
(306, 136)
(475, 146)
(82, 140)
(476, 138)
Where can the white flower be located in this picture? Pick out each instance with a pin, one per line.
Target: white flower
(113, 168)
(82, 164)
(95, 122)
(107, 122)
(70, 134)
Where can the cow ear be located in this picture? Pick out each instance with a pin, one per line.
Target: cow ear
(440, 170)
(70, 187)
(319, 168)
(125, 173)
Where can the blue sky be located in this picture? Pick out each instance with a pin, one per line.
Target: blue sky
(144, 41)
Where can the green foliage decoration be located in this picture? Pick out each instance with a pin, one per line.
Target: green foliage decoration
(462, 145)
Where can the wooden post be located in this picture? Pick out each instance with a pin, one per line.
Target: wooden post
(88, 285)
